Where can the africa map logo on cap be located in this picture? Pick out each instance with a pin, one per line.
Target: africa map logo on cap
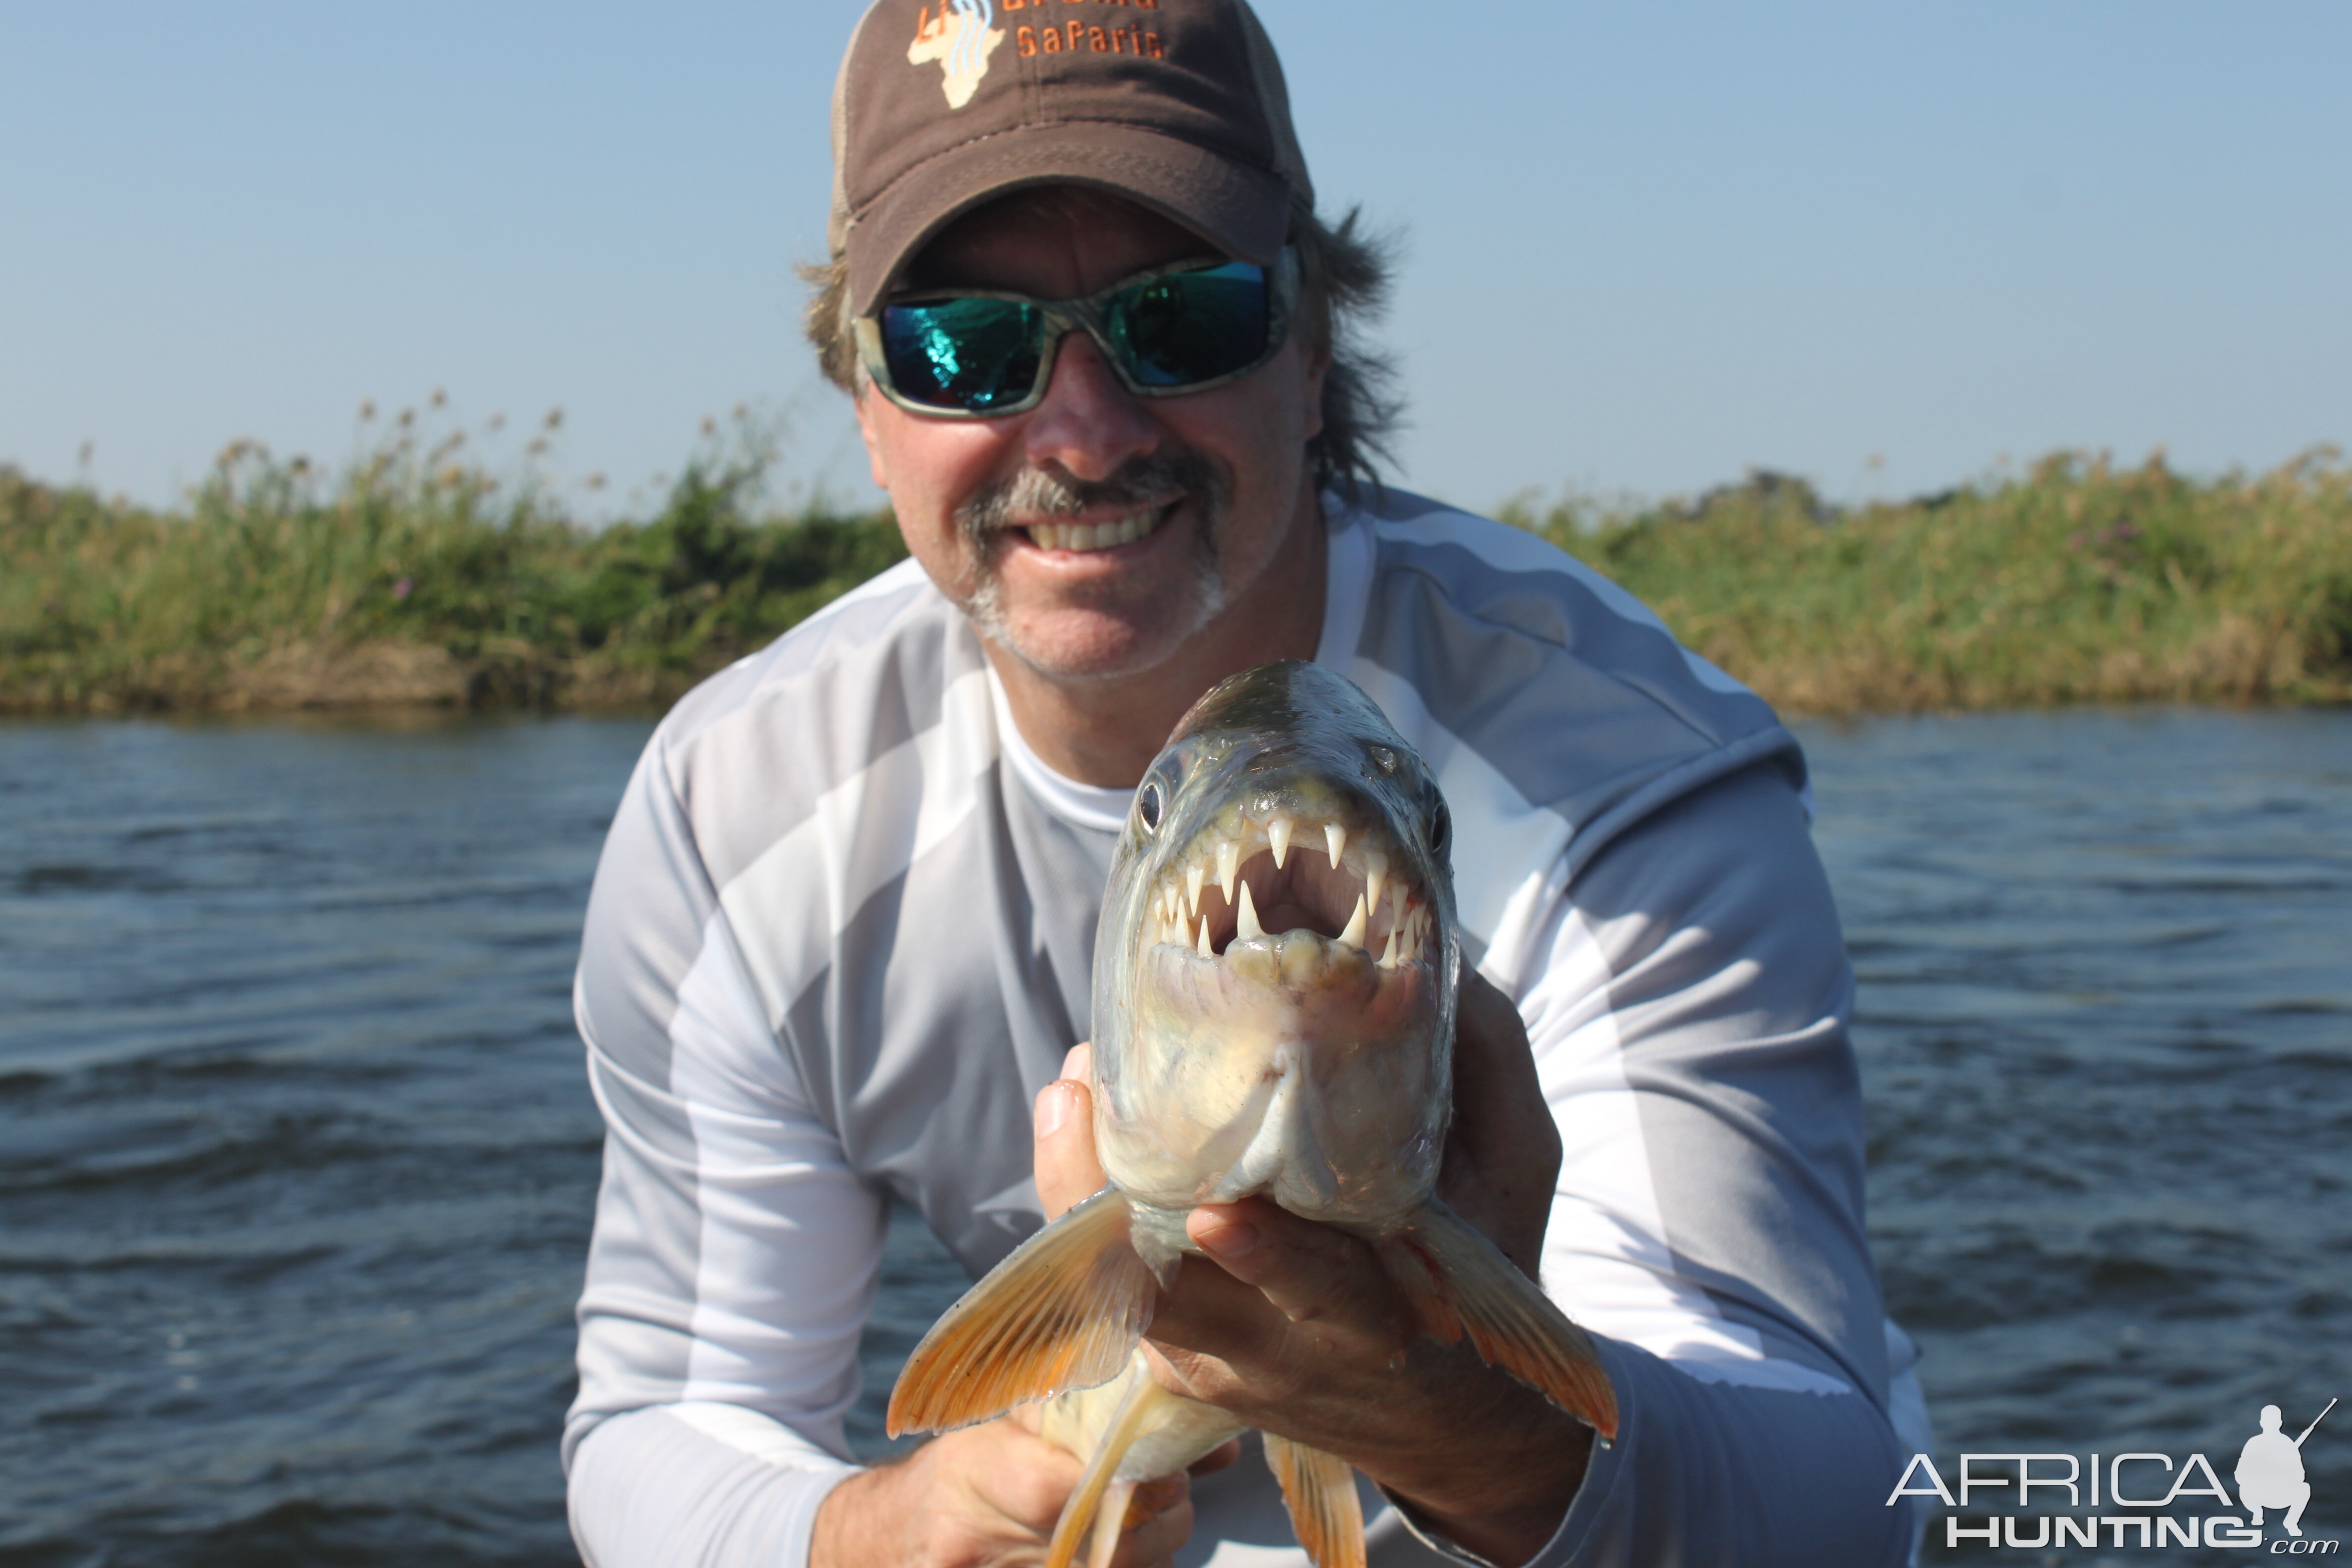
(960, 39)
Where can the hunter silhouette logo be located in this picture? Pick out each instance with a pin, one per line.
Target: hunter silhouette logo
(2270, 1471)
(960, 39)
(2140, 1500)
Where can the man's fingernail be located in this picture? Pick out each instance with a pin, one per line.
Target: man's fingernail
(1230, 1240)
(1052, 1110)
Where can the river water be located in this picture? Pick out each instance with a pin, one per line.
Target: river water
(296, 1159)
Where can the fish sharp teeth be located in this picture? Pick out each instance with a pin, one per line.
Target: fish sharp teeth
(1229, 860)
(1376, 875)
(1337, 837)
(1277, 838)
(1354, 935)
(1245, 924)
(1194, 876)
(1389, 958)
(1205, 950)
(1397, 895)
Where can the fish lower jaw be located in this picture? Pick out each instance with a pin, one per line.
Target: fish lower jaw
(1295, 960)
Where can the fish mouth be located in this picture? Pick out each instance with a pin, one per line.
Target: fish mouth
(1282, 1023)
(1243, 877)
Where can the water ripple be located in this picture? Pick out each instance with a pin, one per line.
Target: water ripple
(2104, 1032)
(297, 1163)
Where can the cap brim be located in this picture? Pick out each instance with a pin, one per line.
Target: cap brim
(1242, 210)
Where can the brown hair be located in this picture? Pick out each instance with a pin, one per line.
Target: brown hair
(1343, 283)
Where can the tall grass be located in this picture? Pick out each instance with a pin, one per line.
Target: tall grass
(407, 578)
(2076, 581)
(411, 577)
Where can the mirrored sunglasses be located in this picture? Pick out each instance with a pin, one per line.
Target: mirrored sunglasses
(974, 354)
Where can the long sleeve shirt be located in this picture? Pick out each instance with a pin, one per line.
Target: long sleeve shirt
(842, 935)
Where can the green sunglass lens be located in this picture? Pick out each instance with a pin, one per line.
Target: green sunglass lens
(973, 354)
(1191, 327)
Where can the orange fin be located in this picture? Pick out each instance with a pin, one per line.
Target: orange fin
(1100, 1497)
(1062, 1312)
(1320, 1492)
(1110, 1523)
(1460, 1283)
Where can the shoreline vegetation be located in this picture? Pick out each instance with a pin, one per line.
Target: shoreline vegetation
(407, 579)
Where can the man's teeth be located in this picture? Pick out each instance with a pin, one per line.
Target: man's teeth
(1083, 536)
(1389, 916)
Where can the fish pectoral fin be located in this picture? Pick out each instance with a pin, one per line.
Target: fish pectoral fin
(1459, 1282)
(1320, 1492)
(1062, 1312)
(1101, 1496)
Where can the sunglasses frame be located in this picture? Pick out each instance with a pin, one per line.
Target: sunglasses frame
(1063, 317)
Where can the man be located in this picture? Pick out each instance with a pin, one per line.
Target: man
(2270, 1473)
(838, 951)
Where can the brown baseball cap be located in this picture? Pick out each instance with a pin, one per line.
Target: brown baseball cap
(942, 104)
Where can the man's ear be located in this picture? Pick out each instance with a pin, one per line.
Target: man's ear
(865, 400)
(1319, 366)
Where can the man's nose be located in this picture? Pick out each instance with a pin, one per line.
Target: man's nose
(1088, 424)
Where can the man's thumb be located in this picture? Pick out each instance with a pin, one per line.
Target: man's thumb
(1066, 1168)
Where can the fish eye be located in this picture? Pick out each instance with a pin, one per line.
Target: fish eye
(1149, 802)
(1441, 830)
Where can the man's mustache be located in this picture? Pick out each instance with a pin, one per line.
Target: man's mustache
(1040, 495)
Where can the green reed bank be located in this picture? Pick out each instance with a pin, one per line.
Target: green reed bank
(407, 579)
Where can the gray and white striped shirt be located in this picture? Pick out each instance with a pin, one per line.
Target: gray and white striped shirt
(842, 933)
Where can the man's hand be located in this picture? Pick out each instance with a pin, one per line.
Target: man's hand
(1502, 1151)
(1299, 1329)
(980, 1497)
(991, 1494)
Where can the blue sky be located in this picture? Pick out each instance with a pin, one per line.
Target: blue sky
(1881, 245)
